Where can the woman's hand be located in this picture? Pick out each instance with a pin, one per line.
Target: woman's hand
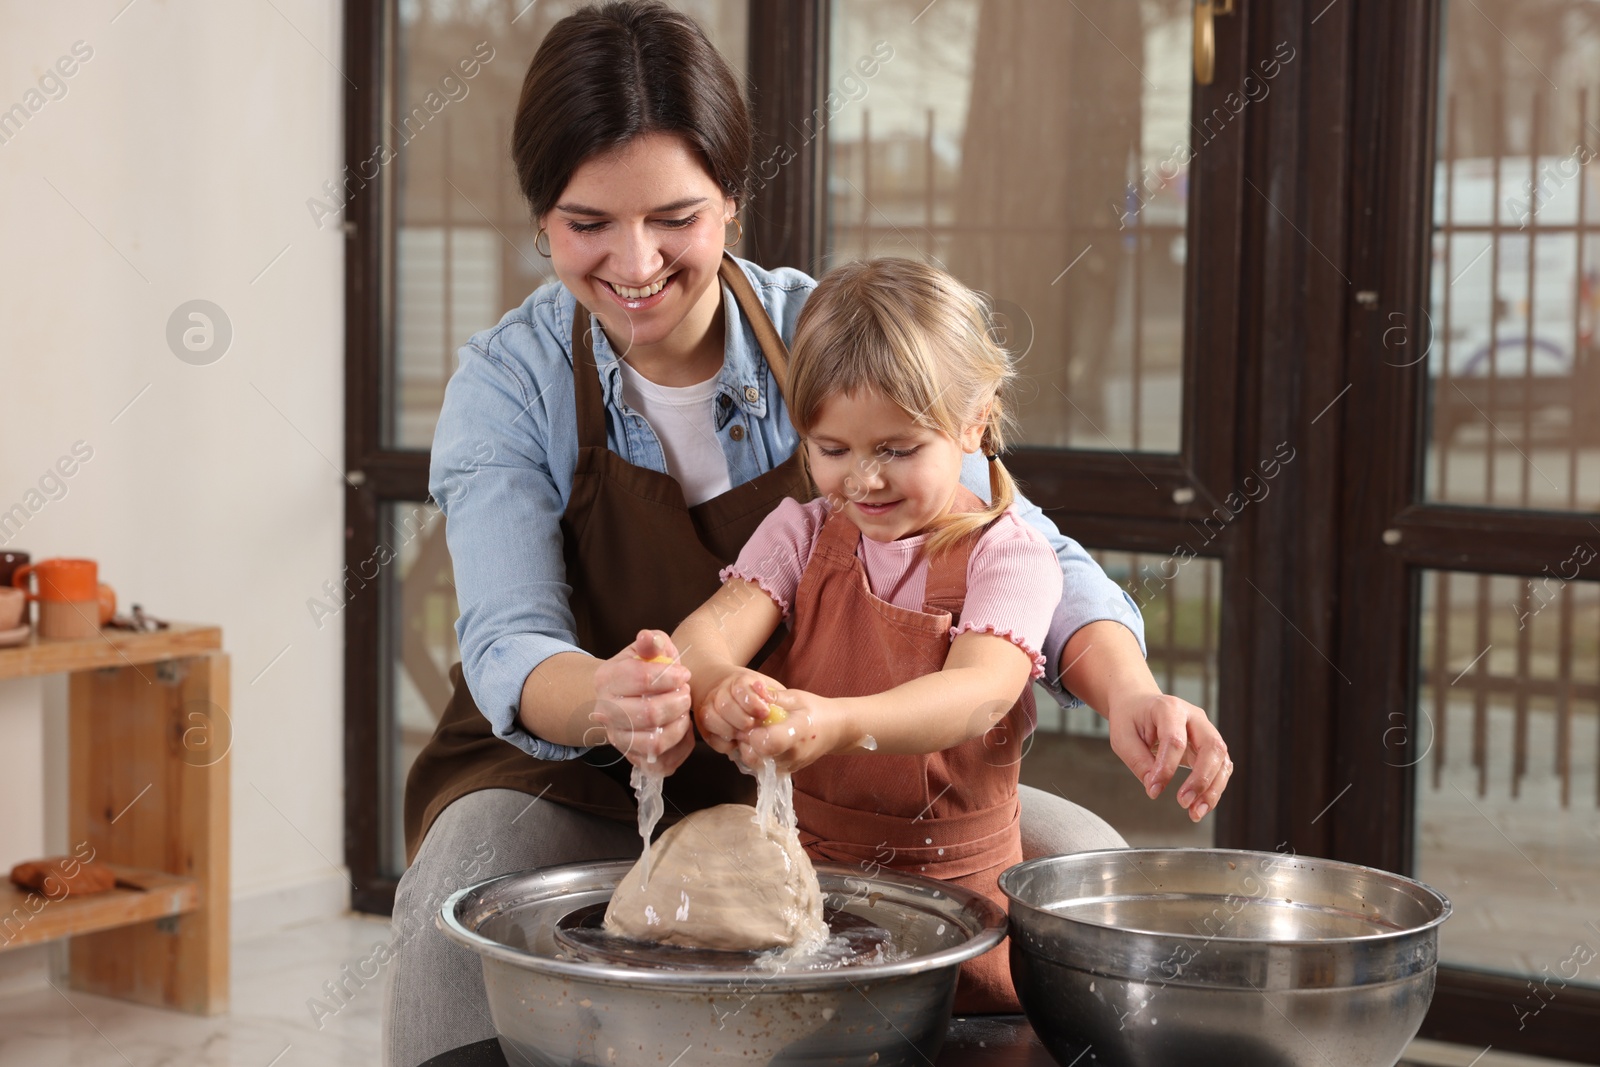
(1155, 734)
(812, 727)
(642, 704)
(735, 704)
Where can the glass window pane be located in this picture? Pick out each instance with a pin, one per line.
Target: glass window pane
(461, 247)
(1071, 753)
(1057, 183)
(1513, 367)
(1505, 751)
(417, 615)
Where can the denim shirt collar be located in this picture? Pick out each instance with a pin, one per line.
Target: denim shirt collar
(743, 378)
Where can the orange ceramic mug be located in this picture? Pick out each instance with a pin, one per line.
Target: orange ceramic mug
(72, 601)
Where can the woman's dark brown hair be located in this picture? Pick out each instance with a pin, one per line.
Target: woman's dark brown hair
(610, 72)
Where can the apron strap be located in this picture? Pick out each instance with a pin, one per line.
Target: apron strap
(772, 346)
(947, 580)
(586, 383)
(947, 574)
(837, 539)
(586, 373)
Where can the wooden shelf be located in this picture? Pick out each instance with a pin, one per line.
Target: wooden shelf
(140, 895)
(109, 648)
(148, 736)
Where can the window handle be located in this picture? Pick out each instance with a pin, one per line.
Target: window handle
(1205, 37)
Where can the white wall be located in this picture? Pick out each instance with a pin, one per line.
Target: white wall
(177, 166)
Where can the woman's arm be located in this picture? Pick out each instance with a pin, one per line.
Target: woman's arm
(1096, 643)
(494, 474)
(1087, 594)
(501, 472)
(631, 701)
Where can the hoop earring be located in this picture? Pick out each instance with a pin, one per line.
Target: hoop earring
(542, 251)
(737, 237)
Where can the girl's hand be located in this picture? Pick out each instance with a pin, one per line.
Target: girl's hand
(812, 727)
(642, 704)
(734, 705)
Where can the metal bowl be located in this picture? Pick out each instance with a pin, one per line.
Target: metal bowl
(1131, 957)
(552, 1007)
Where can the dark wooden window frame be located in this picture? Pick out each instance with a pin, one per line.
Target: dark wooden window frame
(377, 474)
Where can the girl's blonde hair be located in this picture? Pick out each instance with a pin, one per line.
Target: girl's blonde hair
(920, 339)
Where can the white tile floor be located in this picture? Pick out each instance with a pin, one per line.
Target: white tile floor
(271, 1024)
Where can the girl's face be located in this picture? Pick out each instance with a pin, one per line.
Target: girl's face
(637, 237)
(893, 476)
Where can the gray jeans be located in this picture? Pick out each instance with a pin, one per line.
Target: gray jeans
(436, 998)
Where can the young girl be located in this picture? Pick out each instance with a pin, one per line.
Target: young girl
(915, 611)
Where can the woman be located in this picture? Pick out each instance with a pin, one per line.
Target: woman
(600, 454)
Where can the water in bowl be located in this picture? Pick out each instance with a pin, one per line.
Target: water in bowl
(1223, 915)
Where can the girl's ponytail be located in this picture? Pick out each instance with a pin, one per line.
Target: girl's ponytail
(1002, 490)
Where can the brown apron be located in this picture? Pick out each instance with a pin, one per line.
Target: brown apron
(637, 557)
(952, 815)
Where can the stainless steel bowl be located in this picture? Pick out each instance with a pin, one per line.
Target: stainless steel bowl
(1133, 957)
(553, 1009)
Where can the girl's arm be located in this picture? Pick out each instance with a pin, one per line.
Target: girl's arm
(979, 683)
(715, 643)
(725, 633)
(1012, 585)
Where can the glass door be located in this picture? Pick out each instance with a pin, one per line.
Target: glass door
(1472, 567)
(1507, 801)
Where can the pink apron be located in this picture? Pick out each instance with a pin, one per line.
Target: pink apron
(951, 815)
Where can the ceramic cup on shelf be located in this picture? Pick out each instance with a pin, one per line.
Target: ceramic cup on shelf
(10, 560)
(72, 600)
(13, 608)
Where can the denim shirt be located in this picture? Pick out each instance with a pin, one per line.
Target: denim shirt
(502, 466)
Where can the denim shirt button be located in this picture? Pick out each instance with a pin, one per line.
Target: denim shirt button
(752, 394)
(737, 433)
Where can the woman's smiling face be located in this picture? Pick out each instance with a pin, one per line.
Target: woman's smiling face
(637, 236)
